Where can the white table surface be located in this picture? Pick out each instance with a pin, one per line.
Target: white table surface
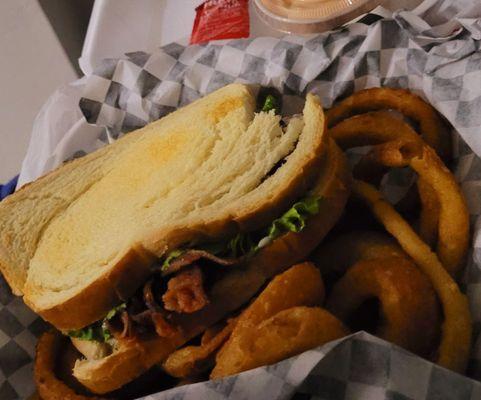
(120, 26)
(32, 65)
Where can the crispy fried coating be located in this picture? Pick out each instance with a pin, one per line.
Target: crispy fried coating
(453, 230)
(380, 127)
(345, 250)
(409, 310)
(283, 335)
(190, 361)
(453, 352)
(431, 126)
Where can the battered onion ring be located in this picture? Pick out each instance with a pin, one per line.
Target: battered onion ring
(284, 335)
(300, 285)
(370, 170)
(345, 250)
(431, 126)
(453, 352)
(48, 385)
(381, 127)
(430, 213)
(371, 128)
(453, 231)
(408, 305)
(190, 361)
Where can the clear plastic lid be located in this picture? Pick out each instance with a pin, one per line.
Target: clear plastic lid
(311, 16)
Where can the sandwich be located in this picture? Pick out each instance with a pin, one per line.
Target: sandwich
(137, 248)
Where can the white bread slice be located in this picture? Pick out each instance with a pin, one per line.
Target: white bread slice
(82, 239)
(236, 288)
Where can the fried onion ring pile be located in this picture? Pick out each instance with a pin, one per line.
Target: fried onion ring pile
(453, 231)
(280, 323)
(287, 333)
(396, 144)
(444, 217)
(379, 127)
(456, 334)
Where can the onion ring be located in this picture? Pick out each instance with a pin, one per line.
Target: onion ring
(299, 285)
(283, 335)
(371, 128)
(49, 386)
(190, 361)
(345, 250)
(453, 352)
(397, 145)
(431, 126)
(453, 230)
(379, 127)
(430, 212)
(409, 308)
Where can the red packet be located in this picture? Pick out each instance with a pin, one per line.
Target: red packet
(220, 19)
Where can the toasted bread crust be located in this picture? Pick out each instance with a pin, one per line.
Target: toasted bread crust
(121, 283)
(334, 189)
(12, 272)
(232, 291)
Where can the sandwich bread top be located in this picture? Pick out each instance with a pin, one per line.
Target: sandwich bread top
(80, 239)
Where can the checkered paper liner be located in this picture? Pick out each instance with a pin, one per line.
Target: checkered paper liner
(441, 62)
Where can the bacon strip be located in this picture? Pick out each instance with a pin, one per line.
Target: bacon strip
(149, 298)
(127, 323)
(191, 256)
(185, 292)
(162, 327)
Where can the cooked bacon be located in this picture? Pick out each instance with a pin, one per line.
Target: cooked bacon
(191, 256)
(162, 327)
(149, 298)
(185, 292)
(127, 323)
(143, 318)
(158, 320)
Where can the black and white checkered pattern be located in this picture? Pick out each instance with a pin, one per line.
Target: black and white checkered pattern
(360, 366)
(19, 330)
(377, 50)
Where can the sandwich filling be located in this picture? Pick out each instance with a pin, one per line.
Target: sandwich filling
(180, 283)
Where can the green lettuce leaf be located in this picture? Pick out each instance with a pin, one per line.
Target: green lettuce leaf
(294, 219)
(98, 331)
(171, 257)
(270, 103)
(114, 311)
(244, 244)
(240, 245)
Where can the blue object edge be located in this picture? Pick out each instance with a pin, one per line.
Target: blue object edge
(8, 188)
